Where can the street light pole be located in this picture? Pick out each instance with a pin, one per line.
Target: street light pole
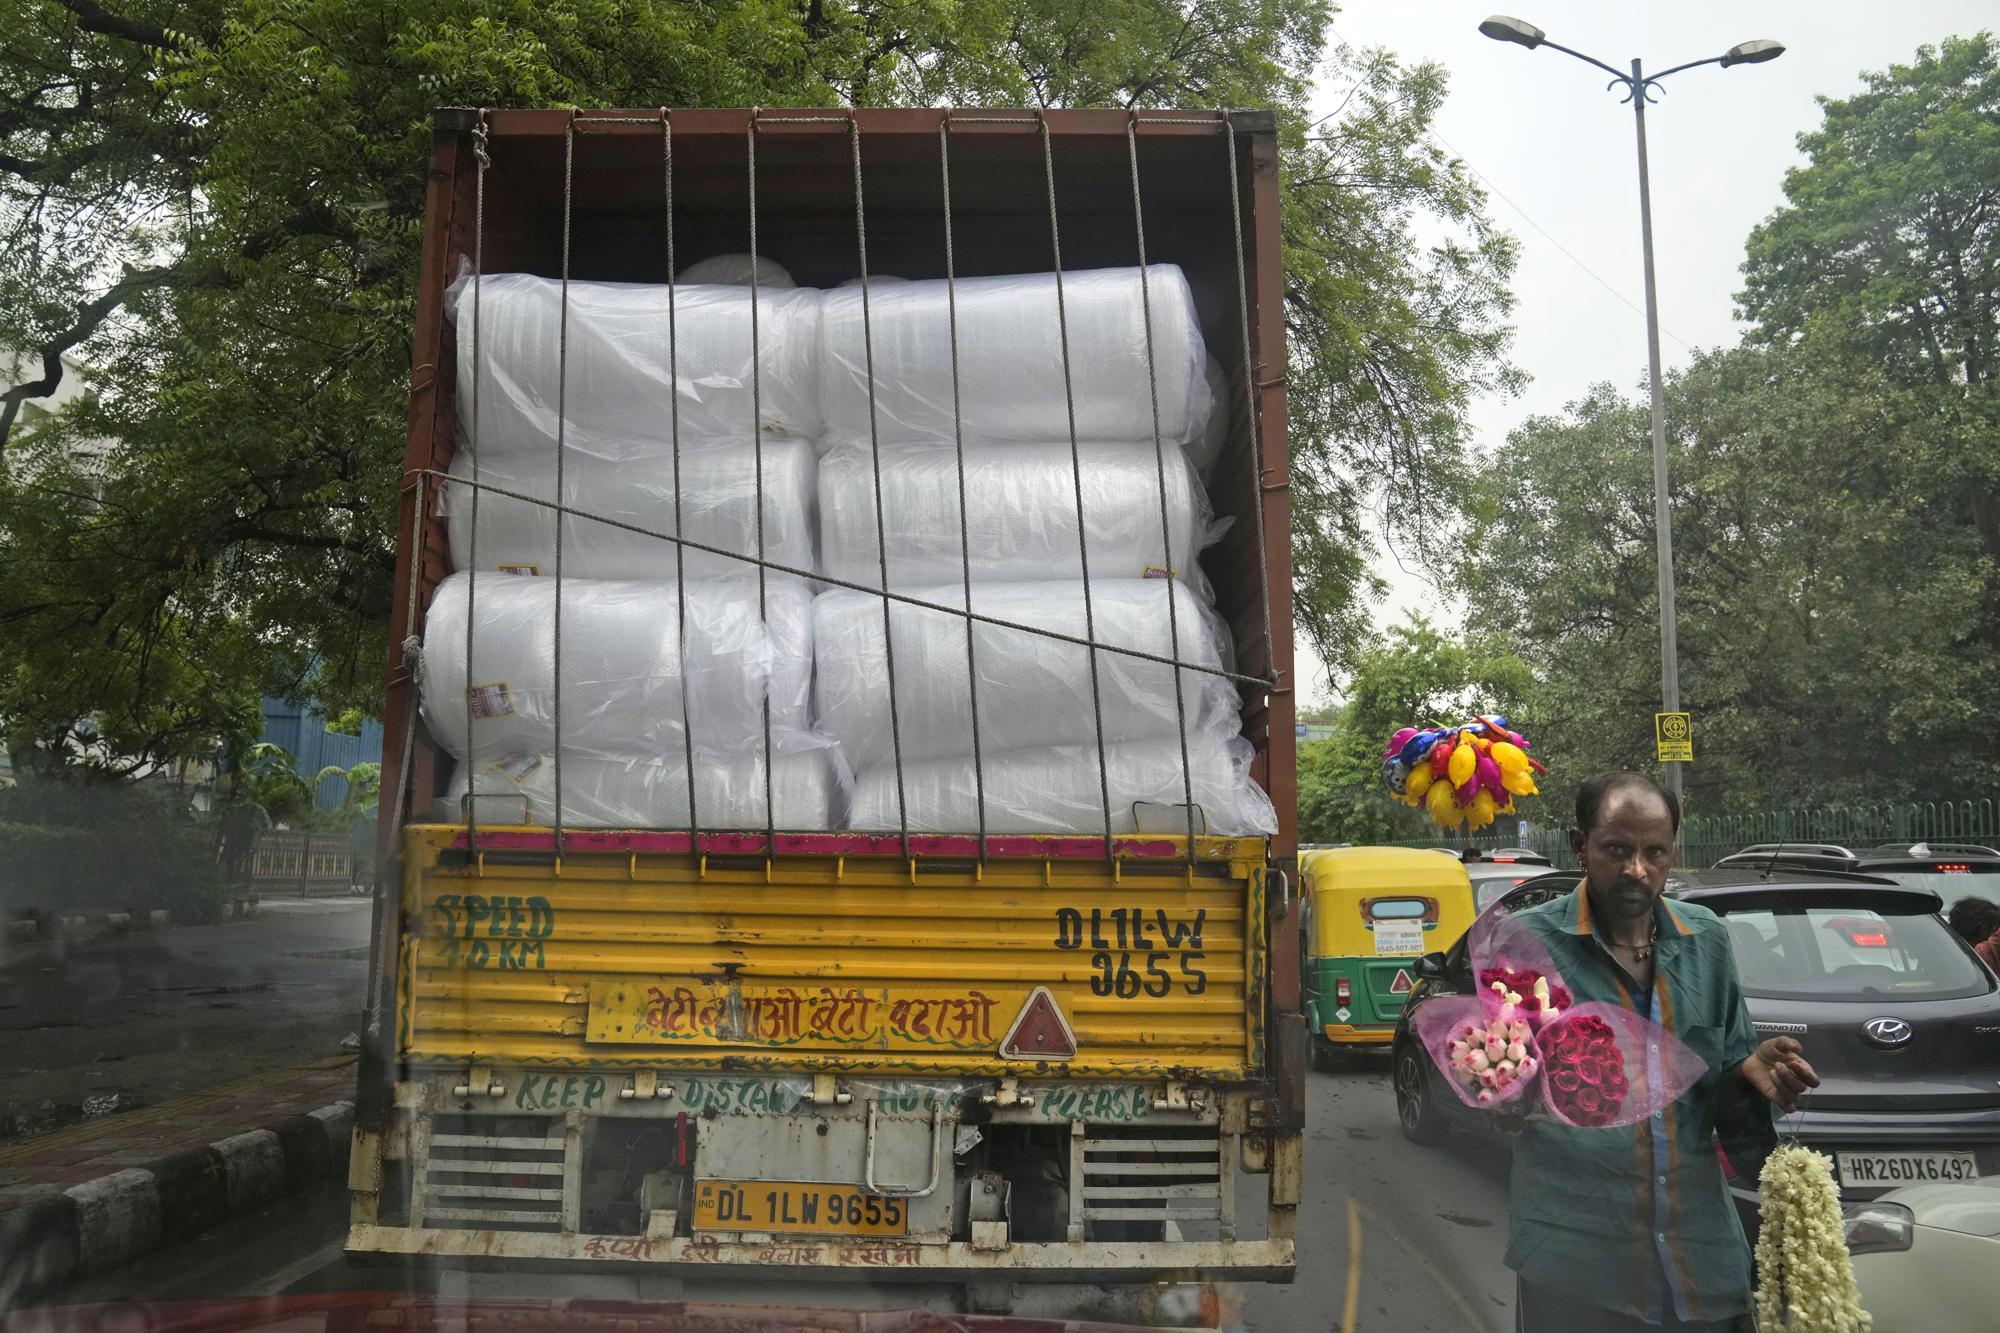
(1638, 86)
(1663, 514)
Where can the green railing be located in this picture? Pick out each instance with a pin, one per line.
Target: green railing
(1707, 839)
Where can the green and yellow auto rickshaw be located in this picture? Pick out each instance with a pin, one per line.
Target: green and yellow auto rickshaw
(1369, 914)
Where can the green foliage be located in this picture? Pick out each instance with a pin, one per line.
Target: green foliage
(218, 205)
(1836, 541)
(79, 847)
(1414, 676)
(272, 782)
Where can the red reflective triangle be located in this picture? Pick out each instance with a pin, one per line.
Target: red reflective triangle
(1040, 1031)
(1402, 984)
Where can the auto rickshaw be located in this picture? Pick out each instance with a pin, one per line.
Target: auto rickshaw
(1369, 914)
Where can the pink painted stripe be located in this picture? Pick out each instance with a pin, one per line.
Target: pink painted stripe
(817, 844)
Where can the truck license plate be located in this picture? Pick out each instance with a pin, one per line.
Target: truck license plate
(1871, 1169)
(795, 1206)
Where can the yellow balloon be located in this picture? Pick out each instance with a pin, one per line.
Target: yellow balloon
(1521, 784)
(1443, 807)
(1464, 760)
(1419, 780)
(1511, 758)
(1480, 813)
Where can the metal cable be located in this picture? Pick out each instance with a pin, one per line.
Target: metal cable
(1076, 474)
(875, 449)
(757, 450)
(1255, 452)
(484, 160)
(562, 390)
(958, 438)
(674, 422)
(1160, 467)
(779, 567)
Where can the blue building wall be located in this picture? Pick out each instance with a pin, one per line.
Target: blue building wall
(301, 730)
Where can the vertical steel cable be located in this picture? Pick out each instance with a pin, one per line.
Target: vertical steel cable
(1251, 410)
(1160, 467)
(674, 424)
(562, 389)
(757, 449)
(958, 439)
(1076, 474)
(484, 160)
(875, 450)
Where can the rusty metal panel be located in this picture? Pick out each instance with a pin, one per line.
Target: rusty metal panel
(842, 964)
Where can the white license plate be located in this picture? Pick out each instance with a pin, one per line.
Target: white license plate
(1876, 1170)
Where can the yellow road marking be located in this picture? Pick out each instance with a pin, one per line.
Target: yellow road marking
(1349, 1307)
(1443, 1284)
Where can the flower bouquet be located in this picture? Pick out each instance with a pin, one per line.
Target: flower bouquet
(1522, 1043)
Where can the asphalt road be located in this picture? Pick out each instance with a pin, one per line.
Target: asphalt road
(1393, 1239)
(128, 1019)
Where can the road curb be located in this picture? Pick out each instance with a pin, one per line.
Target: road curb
(96, 1226)
(95, 925)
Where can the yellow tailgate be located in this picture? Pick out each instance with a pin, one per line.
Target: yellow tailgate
(820, 962)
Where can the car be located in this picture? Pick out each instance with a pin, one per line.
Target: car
(1897, 1015)
(1918, 1251)
(1953, 870)
(1495, 870)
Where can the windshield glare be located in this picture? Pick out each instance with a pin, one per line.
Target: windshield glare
(1850, 953)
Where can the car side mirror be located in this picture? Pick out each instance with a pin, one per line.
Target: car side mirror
(1431, 967)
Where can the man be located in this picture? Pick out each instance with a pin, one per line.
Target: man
(1633, 1228)
(1976, 920)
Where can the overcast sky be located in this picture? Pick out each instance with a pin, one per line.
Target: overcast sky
(1541, 129)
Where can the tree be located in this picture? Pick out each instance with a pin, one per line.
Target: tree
(1887, 253)
(1415, 675)
(218, 204)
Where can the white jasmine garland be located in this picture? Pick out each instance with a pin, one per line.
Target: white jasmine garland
(1805, 1277)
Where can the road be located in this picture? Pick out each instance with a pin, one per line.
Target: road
(1392, 1237)
(127, 1019)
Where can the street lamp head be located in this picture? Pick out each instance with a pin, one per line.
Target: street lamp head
(1504, 29)
(1753, 53)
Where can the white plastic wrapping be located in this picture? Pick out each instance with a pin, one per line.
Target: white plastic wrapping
(733, 270)
(1057, 790)
(1033, 690)
(1021, 512)
(600, 791)
(615, 401)
(718, 507)
(624, 667)
(1010, 359)
(1206, 448)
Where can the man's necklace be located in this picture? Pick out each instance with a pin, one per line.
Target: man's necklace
(1643, 952)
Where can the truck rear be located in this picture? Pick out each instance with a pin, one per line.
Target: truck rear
(992, 1053)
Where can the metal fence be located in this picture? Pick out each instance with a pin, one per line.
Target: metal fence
(306, 864)
(1707, 839)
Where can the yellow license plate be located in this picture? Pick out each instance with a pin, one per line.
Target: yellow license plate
(794, 1206)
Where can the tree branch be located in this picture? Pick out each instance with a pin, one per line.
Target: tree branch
(88, 319)
(93, 17)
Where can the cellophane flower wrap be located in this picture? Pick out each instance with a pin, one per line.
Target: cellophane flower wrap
(1523, 1044)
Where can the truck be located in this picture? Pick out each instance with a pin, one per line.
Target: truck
(1007, 1062)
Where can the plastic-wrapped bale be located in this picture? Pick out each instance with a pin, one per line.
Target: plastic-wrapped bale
(718, 489)
(1059, 790)
(808, 791)
(1010, 358)
(1033, 690)
(624, 669)
(1020, 512)
(616, 399)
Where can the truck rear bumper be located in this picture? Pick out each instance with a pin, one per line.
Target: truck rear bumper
(1269, 1260)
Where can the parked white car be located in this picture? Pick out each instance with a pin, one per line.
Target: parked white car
(1925, 1255)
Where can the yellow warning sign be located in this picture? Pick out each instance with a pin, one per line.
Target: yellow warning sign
(1673, 733)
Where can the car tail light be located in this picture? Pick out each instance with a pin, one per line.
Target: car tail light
(1869, 939)
(1952, 869)
(1343, 992)
(1728, 1171)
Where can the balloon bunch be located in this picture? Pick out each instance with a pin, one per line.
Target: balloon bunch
(1465, 774)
